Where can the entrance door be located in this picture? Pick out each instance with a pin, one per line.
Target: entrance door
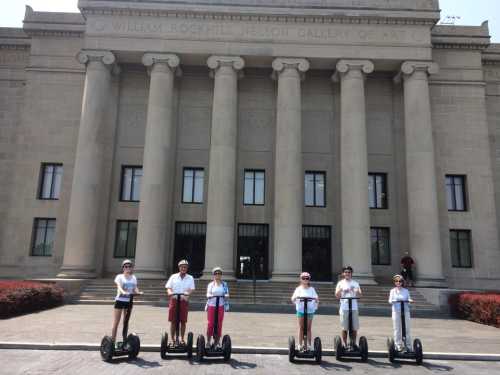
(190, 245)
(316, 252)
(253, 254)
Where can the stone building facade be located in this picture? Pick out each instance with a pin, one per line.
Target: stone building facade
(265, 137)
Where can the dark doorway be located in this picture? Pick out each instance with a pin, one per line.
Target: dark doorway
(253, 251)
(190, 245)
(316, 252)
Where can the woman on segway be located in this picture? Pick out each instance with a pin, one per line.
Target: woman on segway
(216, 288)
(399, 293)
(305, 290)
(126, 284)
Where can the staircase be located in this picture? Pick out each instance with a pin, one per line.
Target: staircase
(269, 296)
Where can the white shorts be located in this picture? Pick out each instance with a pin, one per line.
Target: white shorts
(344, 319)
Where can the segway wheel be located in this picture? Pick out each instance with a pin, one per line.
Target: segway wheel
(226, 347)
(163, 346)
(189, 345)
(107, 348)
(317, 350)
(200, 348)
(419, 352)
(391, 350)
(134, 344)
(363, 348)
(339, 348)
(291, 349)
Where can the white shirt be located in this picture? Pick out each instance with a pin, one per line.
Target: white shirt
(180, 284)
(345, 287)
(214, 290)
(301, 292)
(128, 284)
(399, 295)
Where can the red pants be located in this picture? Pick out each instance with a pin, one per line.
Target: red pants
(172, 311)
(211, 316)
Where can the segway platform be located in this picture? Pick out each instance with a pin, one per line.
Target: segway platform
(176, 347)
(351, 350)
(316, 353)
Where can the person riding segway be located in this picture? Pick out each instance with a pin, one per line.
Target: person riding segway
(399, 347)
(349, 292)
(179, 286)
(217, 304)
(126, 284)
(306, 303)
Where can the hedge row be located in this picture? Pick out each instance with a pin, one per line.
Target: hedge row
(478, 307)
(21, 297)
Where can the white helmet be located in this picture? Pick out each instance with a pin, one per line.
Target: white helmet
(183, 262)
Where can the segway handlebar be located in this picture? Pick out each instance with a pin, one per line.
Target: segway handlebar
(349, 298)
(306, 299)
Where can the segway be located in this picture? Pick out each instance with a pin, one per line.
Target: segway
(130, 346)
(407, 353)
(315, 353)
(176, 347)
(224, 350)
(351, 350)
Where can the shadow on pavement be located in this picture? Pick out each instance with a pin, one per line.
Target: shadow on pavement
(241, 365)
(139, 362)
(386, 365)
(436, 367)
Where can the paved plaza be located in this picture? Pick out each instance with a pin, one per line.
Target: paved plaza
(31, 362)
(88, 323)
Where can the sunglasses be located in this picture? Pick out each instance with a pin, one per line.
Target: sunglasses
(305, 278)
(398, 281)
(127, 266)
(217, 273)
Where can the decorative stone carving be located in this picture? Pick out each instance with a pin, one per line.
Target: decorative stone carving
(216, 62)
(344, 66)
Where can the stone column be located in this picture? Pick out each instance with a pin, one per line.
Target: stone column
(423, 212)
(84, 207)
(221, 203)
(288, 171)
(355, 212)
(155, 207)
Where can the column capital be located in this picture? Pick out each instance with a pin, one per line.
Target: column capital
(343, 67)
(282, 63)
(215, 62)
(408, 68)
(107, 58)
(167, 60)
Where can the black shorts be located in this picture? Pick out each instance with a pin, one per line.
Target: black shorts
(121, 305)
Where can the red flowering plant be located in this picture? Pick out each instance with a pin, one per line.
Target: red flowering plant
(480, 307)
(21, 297)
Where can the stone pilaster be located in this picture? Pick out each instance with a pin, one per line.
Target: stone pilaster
(289, 173)
(355, 212)
(222, 168)
(84, 209)
(424, 231)
(155, 208)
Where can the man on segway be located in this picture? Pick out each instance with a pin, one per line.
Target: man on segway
(179, 283)
(348, 288)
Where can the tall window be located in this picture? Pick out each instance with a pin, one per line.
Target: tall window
(377, 190)
(314, 189)
(254, 187)
(455, 193)
(460, 244)
(131, 183)
(192, 191)
(381, 246)
(42, 242)
(50, 181)
(126, 237)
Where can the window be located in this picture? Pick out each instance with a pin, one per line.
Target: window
(314, 189)
(377, 190)
(254, 189)
(460, 244)
(455, 193)
(192, 191)
(131, 184)
(126, 237)
(381, 246)
(42, 242)
(50, 181)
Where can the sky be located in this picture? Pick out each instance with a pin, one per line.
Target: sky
(471, 12)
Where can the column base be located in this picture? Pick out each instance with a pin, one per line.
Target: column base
(76, 273)
(429, 282)
(150, 274)
(285, 277)
(227, 275)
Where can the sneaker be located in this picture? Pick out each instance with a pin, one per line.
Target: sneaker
(119, 345)
(301, 348)
(355, 348)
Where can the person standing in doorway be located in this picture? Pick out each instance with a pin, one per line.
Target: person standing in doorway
(407, 263)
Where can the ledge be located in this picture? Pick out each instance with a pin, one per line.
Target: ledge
(13, 38)
(461, 37)
(53, 23)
